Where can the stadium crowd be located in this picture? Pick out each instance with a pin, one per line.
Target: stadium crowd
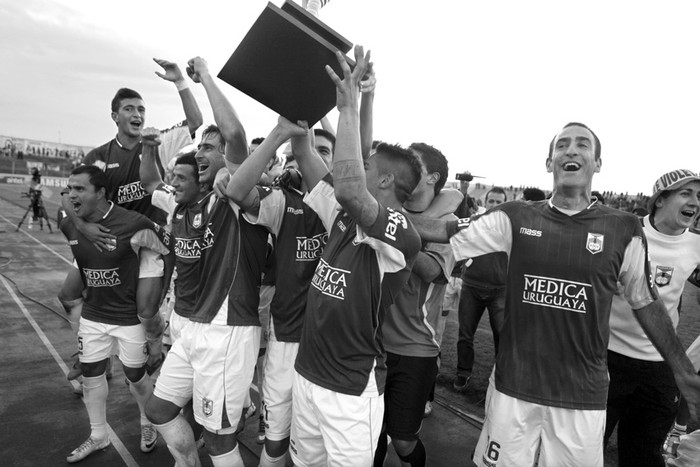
(351, 249)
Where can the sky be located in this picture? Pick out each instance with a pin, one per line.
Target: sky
(488, 83)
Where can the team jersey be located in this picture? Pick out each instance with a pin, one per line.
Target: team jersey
(341, 340)
(562, 273)
(673, 258)
(487, 270)
(301, 237)
(121, 165)
(410, 323)
(230, 268)
(187, 230)
(111, 276)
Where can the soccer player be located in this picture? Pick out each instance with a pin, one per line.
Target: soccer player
(566, 257)
(410, 326)
(300, 238)
(214, 359)
(340, 372)
(642, 399)
(118, 309)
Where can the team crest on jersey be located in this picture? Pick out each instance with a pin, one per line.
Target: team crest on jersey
(595, 242)
(100, 165)
(663, 275)
(197, 221)
(207, 406)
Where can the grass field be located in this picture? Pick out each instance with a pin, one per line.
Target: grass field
(473, 399)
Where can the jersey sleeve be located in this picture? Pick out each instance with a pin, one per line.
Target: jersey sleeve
(271, 210)
(147, 238)
(164, 198)
(635, 277)
(442, 254)
(394, 240)
(489, 233)
(322, 200)
(172, 141)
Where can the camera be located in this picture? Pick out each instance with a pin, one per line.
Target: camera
(464, 177)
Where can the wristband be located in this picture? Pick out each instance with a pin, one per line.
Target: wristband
(181, 85)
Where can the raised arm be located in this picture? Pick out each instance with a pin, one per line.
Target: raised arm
(225, 116)
(148, 171)
(349, 180)
(172, 73)
(367, 87)
(436, 230)
(311, 165)
(241, 186)
(658, 327)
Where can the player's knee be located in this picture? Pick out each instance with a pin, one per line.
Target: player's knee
(414, 458)
(403, 447)
(94, 368)
(160, 411)
(276, 448)
(134, 374)
(221, 442)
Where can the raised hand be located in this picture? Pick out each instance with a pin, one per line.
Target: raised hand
(348, 88)
(369, 81)
(150, 137)
(196, 68)
(171, 73)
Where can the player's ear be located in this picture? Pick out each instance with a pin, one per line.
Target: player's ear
(115, 117)
(548, 163)
(598, 164)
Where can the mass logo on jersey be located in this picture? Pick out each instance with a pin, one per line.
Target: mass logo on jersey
(131, 192)
(556, 293)
(101, 277)
(197, 221)
(595, 242)
(663, 275)
(329, 280)
(396, 220)
(311, 248)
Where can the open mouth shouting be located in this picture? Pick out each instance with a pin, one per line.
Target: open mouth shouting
(571, 166)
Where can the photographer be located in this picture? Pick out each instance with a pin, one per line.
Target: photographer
(36, 203)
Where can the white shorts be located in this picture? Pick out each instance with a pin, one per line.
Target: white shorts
(277, 388)
(515, 430)
(175, 326)
(450, 301)
(333, 429)
(96, 342)
(213, 365)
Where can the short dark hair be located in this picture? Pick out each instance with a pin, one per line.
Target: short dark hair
(96, 176)
(326, 134)
(189, 159)
(595, 138)
(257, 140)
(124, 93)
(403, 165)
(434, 161)
(215, 130)
(533, 194)
(496, 189)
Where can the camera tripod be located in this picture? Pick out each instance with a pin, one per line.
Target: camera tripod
(35, 206)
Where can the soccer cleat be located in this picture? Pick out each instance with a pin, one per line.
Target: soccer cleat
(149, 436)
(460, 383)
(261, 430)
(87, 448)
(428, 409)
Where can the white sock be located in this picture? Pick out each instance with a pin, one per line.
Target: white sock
(179, 437)
(267, 461)
(95, 392)
(230, 459)
(142, 390)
